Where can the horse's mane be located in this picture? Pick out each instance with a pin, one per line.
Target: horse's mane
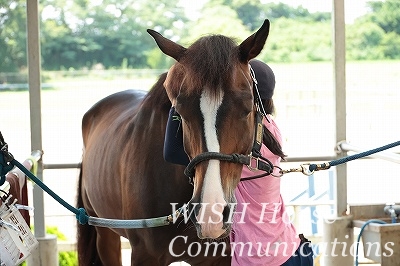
(157, 96)
(210, 61)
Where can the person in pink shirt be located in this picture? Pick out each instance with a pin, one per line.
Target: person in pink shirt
(262, 233)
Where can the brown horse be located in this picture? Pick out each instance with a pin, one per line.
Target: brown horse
(124, 174)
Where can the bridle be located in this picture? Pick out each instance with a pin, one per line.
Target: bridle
(254, 160)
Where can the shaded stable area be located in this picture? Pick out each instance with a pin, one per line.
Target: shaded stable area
(340, 227)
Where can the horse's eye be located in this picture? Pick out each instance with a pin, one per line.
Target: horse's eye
(245, 114)
(245, 109)
(243, 102)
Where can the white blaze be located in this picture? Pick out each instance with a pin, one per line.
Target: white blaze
(210, 213)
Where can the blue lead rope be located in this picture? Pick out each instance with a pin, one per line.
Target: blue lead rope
(316, 167)
(80, 213)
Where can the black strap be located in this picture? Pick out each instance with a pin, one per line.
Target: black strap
(233, 158)
(262, 164)
(256, 150)
(257, 97)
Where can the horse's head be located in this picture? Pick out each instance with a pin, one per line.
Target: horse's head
(211, 87)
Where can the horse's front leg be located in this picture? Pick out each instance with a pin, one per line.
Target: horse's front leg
(108, 246)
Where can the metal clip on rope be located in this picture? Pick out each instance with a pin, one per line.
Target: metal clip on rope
(316, 167)
(304, 168)
(307, 168)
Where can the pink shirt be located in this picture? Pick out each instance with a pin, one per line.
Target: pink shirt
(262, 233)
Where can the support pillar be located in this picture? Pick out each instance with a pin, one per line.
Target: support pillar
(338, 240)
(46, 254)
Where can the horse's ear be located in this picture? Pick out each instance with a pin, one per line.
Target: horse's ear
(167, 46)
(252, 46)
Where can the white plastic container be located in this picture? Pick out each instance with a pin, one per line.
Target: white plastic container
(16, 238)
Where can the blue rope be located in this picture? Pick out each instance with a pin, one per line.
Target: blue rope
(7, 163)
(316, 167)
(80, 213)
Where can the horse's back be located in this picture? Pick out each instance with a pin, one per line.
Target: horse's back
(109, 108)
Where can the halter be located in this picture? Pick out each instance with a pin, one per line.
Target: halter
(254, 160)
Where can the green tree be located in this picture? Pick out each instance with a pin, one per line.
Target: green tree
(364, 41)
(218, 19)
(157, 60)
(386, 14)
(109, 32)
(391, 45)
(254, 12)
(376, 35)
(13, 35)
(60, 47)
(293, 41)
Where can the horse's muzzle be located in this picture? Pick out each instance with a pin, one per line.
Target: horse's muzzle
(212, 221)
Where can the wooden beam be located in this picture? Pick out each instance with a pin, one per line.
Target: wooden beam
(339, 72)
(34, 67)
